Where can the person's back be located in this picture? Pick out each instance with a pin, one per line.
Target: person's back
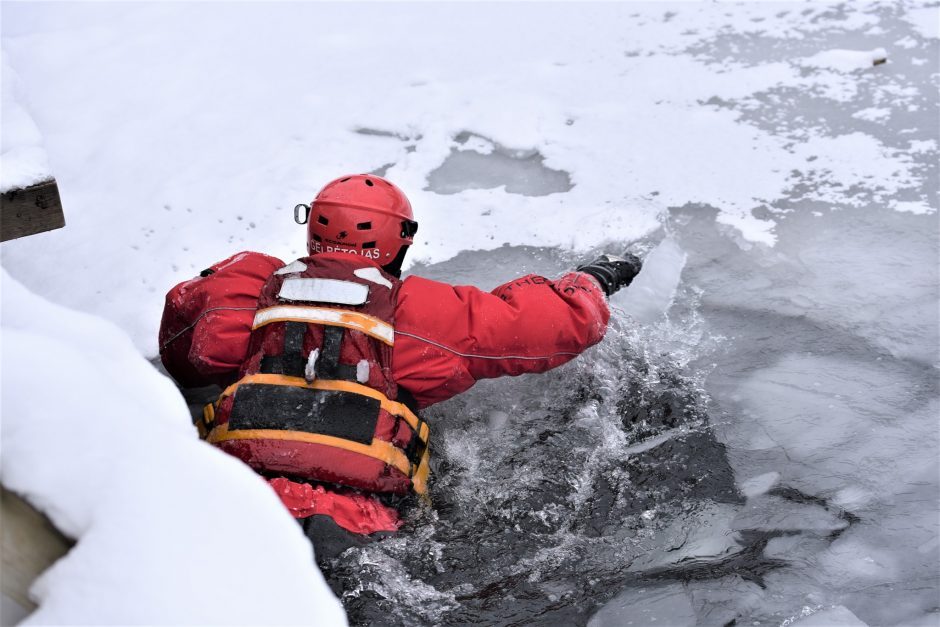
(343, 354)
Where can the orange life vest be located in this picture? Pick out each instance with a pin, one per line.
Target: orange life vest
(315, 399)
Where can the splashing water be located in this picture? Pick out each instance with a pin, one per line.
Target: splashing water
(550, 489)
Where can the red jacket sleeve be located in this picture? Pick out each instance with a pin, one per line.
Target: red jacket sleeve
(448, 337)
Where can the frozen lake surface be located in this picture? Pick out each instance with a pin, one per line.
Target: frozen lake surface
(756, 440)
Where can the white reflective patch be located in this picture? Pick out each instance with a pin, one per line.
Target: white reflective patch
(321, 315)
(374, 275)
(292, 267)
(324, 291)
(362, 371)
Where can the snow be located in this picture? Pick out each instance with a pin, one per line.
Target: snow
(925, 20)
(847, 163)
(846, 60)
(872, 114)
(913, 206)
(23, 160)
(923, 146)
(164, 172)
(100, 442)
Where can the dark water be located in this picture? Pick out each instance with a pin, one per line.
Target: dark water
(613, 476)
(549, 494)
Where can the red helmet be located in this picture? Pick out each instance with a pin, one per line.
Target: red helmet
(360, 214)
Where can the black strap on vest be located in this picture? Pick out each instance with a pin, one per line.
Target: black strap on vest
(292, 361)
(328, 366)
(415, 449)
(407, 399)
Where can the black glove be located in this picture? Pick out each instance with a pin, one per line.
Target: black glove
(613, 272)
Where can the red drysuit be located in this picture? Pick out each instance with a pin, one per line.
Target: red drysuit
(448, 337)
(445, 339)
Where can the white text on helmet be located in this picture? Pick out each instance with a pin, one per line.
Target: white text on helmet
(371, 253)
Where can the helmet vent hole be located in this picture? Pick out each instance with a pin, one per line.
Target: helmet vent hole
(369, 183)
(364, 226)
(322, 220)
(369, 245)
(317, 238)
(344, 180)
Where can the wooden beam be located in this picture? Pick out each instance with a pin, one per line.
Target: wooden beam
(31, 544)
(35, 209)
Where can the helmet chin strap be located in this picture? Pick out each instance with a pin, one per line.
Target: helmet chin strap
(393, 267)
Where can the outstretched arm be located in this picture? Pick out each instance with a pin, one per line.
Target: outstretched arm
(448, 337)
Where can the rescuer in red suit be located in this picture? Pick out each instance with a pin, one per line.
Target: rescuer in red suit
(337, 356)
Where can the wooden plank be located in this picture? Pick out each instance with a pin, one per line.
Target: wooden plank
(35, 209)
(31, 544)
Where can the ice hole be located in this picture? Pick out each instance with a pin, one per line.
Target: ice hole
(521, 171)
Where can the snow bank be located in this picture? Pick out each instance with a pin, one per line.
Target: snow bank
(23, 160)
(169, 530)
(846, 60)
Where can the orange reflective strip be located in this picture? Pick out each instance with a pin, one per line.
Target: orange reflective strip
(419, 482)
(208, 413)
(382, 451)
(393, 407)
(370, 325)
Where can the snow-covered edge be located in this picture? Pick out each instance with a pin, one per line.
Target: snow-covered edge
(23, 160)
(169, 530)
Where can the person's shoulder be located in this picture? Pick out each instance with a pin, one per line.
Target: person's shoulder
(415, 283)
